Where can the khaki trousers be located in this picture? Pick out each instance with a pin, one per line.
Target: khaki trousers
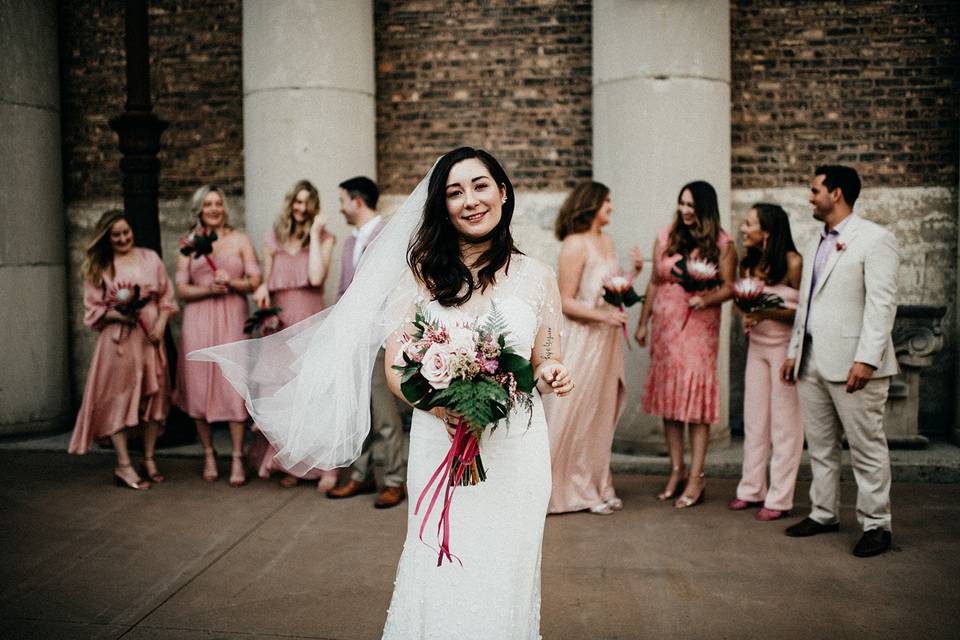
(386, 423)
(826, 407)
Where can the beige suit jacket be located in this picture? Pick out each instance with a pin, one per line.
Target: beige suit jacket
(854, 303)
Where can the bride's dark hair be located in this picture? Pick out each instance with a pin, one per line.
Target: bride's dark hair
(434, 251)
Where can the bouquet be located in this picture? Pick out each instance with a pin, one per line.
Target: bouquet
(471, 369)
(695, 275)
(264, 322)
(199, 243)
(749, 296)
(126, 299)
(618, 291)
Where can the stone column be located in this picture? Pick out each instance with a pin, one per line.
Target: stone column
(661, 118)
(34, 388)
(308, 105)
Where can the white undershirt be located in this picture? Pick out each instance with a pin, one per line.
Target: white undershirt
(362, 234)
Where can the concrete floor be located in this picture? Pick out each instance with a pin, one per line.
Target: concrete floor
(190, 560)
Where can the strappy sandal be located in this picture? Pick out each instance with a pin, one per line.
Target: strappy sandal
(210, 473)
(665, 495)
(238, 476)
(685, 501)
(154, 475)
(137, 485)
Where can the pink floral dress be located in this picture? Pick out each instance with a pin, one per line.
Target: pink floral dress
(682, 381)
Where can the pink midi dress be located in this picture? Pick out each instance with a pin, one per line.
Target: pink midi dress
(128, 381)
(682, 381)
(290, 289)
(581, 425)
(201, 391)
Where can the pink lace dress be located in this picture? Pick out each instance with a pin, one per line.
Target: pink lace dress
(202, 392)
(128, 380)
(682, 381)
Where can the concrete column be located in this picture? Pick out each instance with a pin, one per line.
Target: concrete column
(661, 118)
(34, 387)
(308, 104)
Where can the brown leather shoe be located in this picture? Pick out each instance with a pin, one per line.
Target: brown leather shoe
(352, 488)
(390, 497)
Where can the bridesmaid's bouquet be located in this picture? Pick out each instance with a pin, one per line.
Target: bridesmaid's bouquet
(264, 322)
(199, 243)
(618, 291)
(471, 369)
(749, 296)
(127, 300)
(696, 275)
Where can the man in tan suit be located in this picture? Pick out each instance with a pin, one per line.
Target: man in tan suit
(841, 356)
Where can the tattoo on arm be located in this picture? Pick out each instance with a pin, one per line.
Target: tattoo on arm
(548, 344)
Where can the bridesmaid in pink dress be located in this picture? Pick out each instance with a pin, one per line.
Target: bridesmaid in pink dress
(581, 428)
(296, 260)
(128, 381)
(214, 312)
(682, 385)
(771, 410)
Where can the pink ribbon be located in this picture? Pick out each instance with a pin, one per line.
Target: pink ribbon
(466, 444)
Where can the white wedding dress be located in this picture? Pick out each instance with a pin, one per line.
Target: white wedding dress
(496, 525)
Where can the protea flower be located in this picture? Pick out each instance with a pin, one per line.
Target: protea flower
(125, 298)
(264, 321)
(199, 243)
(618, 291)
(749, 296)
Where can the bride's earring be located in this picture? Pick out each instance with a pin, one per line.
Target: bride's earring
(504, 201)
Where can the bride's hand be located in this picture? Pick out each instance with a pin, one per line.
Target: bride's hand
(449, 417)
(557, 377)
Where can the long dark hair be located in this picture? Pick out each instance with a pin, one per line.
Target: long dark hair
(580, 208)
(770, 260)
(434, 252)
(682, 241)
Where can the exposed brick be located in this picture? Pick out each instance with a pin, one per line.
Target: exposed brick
(873, 84)
(196, 84)
(513, 77)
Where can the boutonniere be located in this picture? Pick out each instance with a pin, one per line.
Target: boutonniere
(841, 246)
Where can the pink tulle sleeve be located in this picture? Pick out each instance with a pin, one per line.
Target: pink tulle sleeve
(94, 305)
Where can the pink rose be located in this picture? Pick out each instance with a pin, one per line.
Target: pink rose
(490, 365)
(436, 365)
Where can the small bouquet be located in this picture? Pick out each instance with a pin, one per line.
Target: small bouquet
(264, 322)
(199, 243)
(126, 299)
(618, 291)
(749, 296)
(469, 368)
(696, 275)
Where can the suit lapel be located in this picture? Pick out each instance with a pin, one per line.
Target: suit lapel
(847, 235)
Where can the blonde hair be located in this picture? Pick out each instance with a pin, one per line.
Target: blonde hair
(98, 254)
(580, 208)
(286, 226)
(196, 204)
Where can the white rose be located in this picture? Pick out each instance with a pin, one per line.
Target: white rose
(464, 338)
(435, 367)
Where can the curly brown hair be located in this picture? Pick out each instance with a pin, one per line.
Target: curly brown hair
(580, 208)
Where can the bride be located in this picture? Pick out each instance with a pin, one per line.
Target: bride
(308, 389)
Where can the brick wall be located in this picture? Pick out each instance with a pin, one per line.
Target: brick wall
(511, 76)
(871, 84)
(196, 85)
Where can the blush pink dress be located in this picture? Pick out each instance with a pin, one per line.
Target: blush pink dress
(128, 380)
(581, 425)
(290, 289)
(682, 381)
(201, 391)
